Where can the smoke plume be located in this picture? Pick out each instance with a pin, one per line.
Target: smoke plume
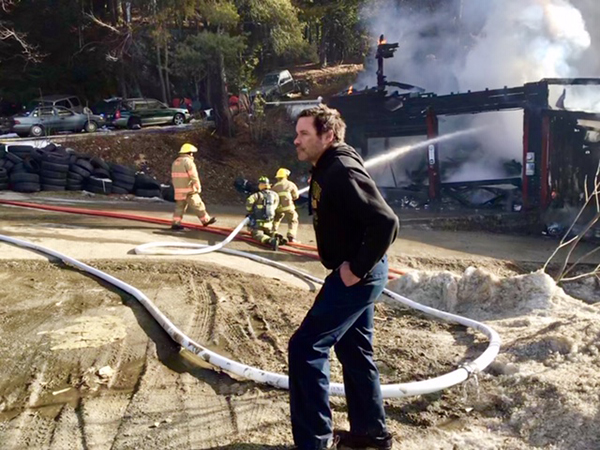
(477, 44)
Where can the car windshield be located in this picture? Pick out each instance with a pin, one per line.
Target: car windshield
(105, 107)
(270, 80)
(31, 106)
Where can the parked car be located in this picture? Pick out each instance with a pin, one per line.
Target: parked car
(140, 112)
(71, 102)
(45, 120)
(106, 108)
(276, 85)
(9, 108)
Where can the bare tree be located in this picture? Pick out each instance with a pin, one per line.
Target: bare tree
(123, 39)
(8, 33)
(592, 200)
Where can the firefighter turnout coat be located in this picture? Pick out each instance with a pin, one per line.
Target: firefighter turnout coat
(185, 177)
(288, 193)
(261, 207)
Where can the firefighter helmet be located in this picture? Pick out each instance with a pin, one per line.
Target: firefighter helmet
(282, 173)
(264, 183)
(188, 148)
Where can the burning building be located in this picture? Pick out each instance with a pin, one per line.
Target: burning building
(552, 161)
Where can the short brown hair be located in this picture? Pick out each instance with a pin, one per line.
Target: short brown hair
(326, 119)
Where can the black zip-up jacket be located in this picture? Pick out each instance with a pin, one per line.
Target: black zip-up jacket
(352, 221)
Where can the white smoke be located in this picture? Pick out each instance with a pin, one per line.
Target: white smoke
(479, 44)
(524, 41)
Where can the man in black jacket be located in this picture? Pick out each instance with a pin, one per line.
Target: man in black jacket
(354, 228)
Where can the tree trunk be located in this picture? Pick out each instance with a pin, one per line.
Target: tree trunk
(218, 98)
(122, 81)
(126, 11)
(323, 47)
(160, 73)
(167, 81)
(208, 90)
(114, 12)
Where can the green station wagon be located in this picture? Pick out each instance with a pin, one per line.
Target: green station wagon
(135, 113)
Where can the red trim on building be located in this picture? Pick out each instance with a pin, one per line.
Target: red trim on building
(544, 164)
(433, 170)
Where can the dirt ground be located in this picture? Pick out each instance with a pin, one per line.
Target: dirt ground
(84, 366)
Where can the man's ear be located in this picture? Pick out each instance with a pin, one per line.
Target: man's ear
(328, 137)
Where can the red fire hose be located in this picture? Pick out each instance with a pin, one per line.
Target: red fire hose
(297, 250)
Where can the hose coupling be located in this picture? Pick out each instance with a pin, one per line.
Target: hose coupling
(470, 368)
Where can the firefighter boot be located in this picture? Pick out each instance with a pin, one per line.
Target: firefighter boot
(274, 243)
(280, 239)
(177, 227)
(209, 222)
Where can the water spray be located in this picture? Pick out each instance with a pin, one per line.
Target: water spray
(395, 153)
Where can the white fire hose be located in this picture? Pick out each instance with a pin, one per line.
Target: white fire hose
(274, 379)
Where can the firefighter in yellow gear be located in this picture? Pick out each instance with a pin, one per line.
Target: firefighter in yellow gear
(186, 184)
(261, 208)
(258, 105)
(288, 193)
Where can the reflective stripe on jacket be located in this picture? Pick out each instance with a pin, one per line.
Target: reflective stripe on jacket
(288, 192)
(262, 206)
(184, 176)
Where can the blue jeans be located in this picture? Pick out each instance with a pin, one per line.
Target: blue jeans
(342, 317)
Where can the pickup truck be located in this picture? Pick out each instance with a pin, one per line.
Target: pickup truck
(280, 84)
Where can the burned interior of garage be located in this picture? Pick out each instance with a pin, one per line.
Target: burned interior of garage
(532, 147)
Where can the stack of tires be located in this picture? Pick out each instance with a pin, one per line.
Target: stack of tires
(3, 179)
(123, 178)
(22, 172)
(146, 186)
(99, 181)
(54, 166)
(80, 170)
(22, 151)
(24, 168)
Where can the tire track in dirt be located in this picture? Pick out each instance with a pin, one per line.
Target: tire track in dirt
(217, 409)
(201, 323)
(207, 416)
(127, 410)
(68, 434)
(267, 343)
(226, 331)
(156, 416)
(30, 429)
(153, 400)
(102, 413)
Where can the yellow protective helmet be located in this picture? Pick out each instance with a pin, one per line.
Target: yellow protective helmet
(188, 148)
(282, 173)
